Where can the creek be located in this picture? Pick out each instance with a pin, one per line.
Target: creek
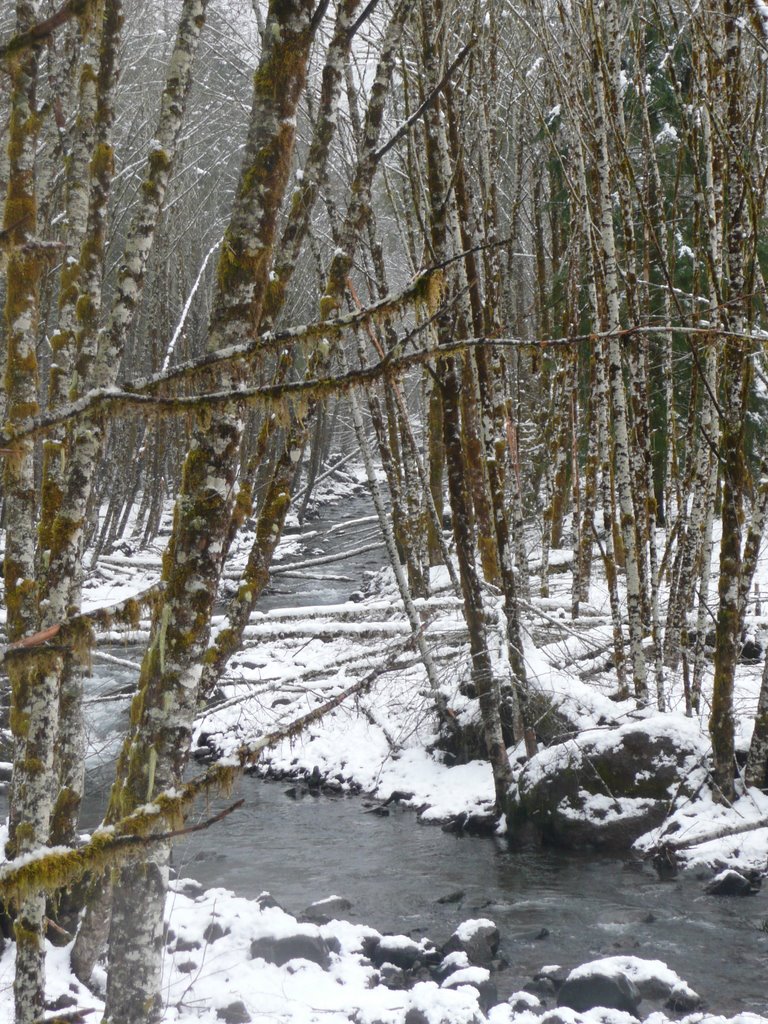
(551, 907)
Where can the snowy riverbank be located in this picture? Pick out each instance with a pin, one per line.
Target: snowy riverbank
(221, 961)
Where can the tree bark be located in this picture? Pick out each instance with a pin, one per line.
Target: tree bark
(164, 710)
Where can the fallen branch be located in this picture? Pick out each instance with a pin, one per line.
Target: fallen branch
(340, 556)
(676, 845)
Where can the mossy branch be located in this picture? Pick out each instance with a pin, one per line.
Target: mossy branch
(49, 869)
(126, 612)
(39, 33)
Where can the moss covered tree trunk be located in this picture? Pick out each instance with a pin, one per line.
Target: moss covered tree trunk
(736, 371)
(449, 387)
(66, 485)
(622, 450)
(33, 717)
(277, 499)
(164, 709)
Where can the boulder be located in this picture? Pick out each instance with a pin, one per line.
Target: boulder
(479, 939)
(186, 945)
(214, 932)
(647, 979)
(398, 950)
(614, 992)
(480, 979)
(331, 909)
(417, 1015)
(730, 883)
(450, 964)
(292, 947)
(393, 977)
(522, 1001)
(605, 788)
(452, 897)
(683, 999)
(266, 901)
(751, 651)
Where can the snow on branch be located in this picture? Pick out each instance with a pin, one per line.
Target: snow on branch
(127, 611)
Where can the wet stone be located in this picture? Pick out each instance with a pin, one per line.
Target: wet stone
(730, 883)
(186, 945)
(478, 939)
(613, 992)
(332, 909)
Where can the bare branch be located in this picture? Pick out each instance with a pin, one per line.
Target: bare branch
(427, 103)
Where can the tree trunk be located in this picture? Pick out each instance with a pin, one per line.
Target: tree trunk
(164, 710)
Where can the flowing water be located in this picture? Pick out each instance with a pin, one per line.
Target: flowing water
(551, 907)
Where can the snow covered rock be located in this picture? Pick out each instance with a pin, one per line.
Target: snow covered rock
(614, 992)
(479, 939)
(730, 883)
(430, 1005)
(235, 1013)
(605, 788)
(279, 950)
(622, 982)
(479, 978)
(399, 950)
(334, 908)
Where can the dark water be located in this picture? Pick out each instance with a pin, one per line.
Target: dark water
(394, 870)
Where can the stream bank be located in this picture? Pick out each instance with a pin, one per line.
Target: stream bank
(302, 845)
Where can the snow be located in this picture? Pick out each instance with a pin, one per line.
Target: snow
(205, 977)
(382, 742)
(468, 929)
(467, 976)
(646, 974)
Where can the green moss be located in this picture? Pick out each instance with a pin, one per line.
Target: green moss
(25, 834)
(19, 593)
(130, 613)
(159, 161)
(329, 307)
(102, 160)
(25, 936)
(19, 722)
(64, 812)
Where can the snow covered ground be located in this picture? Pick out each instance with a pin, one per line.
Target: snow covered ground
(381, 741)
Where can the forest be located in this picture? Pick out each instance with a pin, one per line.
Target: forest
(498, 267)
